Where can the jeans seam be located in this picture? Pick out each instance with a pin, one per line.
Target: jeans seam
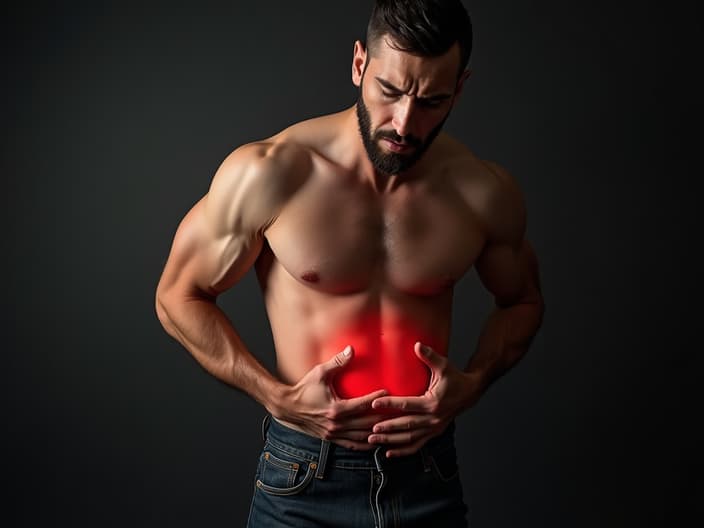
(396, 488)
(291, 468)
(371, 498)
(288, 491)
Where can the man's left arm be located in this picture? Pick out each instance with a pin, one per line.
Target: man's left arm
(508, 268)
(516, 318)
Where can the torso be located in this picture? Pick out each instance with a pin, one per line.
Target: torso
(345, 264)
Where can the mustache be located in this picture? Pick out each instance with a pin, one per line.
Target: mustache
(402, 140)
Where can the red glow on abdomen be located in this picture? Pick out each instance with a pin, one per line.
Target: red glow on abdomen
(383, 359)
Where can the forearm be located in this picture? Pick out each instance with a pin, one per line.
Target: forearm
(504, 340)
(205, 331)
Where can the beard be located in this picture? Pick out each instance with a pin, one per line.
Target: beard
(391, 162)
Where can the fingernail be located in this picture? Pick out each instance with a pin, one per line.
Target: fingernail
(347, 351)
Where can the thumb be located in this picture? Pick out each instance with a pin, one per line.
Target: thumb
(428, 356)
(338, 361)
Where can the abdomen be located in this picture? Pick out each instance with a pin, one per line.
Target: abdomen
(384, 357)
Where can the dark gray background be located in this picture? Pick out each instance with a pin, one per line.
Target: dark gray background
(116, 119)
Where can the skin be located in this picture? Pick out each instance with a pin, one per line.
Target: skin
(336, 243)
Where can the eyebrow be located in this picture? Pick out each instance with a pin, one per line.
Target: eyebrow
(388, 86)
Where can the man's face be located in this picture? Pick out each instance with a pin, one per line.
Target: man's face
(403, 102)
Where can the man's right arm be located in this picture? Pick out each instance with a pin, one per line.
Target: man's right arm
(215, 244)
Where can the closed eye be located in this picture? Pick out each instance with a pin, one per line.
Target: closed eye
(430, 103)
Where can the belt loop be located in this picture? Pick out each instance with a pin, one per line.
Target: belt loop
(322, 459)
(265, 426)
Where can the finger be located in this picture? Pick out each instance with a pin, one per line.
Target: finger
(418, 404)
(428, 356)
(399, 439)
(404, 423)
(338, 361)
(359, 404)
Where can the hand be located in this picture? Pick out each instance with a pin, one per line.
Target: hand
(449, 392)
(313, 406)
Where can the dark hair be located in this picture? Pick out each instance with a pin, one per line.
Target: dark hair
(423, 27)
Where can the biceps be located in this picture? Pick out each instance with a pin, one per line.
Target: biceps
(509, 273)
(202, 263)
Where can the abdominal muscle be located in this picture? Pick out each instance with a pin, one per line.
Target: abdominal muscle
(382, 326)
(384, 358)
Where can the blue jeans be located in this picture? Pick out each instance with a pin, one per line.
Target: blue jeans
(302, 481)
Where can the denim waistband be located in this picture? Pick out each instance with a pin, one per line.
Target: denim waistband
(328, 454)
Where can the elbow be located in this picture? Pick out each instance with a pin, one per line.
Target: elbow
(162, 312)
(537, 306)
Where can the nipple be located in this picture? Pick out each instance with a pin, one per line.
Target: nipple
(311, 276)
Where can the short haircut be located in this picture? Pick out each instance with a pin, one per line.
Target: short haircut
(422, 27)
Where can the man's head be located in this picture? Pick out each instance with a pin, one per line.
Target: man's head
(428, 28)
(409, 75)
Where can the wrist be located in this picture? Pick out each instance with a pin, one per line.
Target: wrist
(277, 398)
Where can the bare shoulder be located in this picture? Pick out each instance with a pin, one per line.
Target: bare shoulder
(506, 211)
(321, 134)
(254, 182)
(507, 265)
(490, 190)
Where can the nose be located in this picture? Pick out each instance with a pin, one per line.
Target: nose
(403, 114)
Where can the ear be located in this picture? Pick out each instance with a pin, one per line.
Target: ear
(359, 59)
(460, 83)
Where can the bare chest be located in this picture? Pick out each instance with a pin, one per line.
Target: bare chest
(346, 238)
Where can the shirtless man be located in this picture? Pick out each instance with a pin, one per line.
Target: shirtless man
(359, 224)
